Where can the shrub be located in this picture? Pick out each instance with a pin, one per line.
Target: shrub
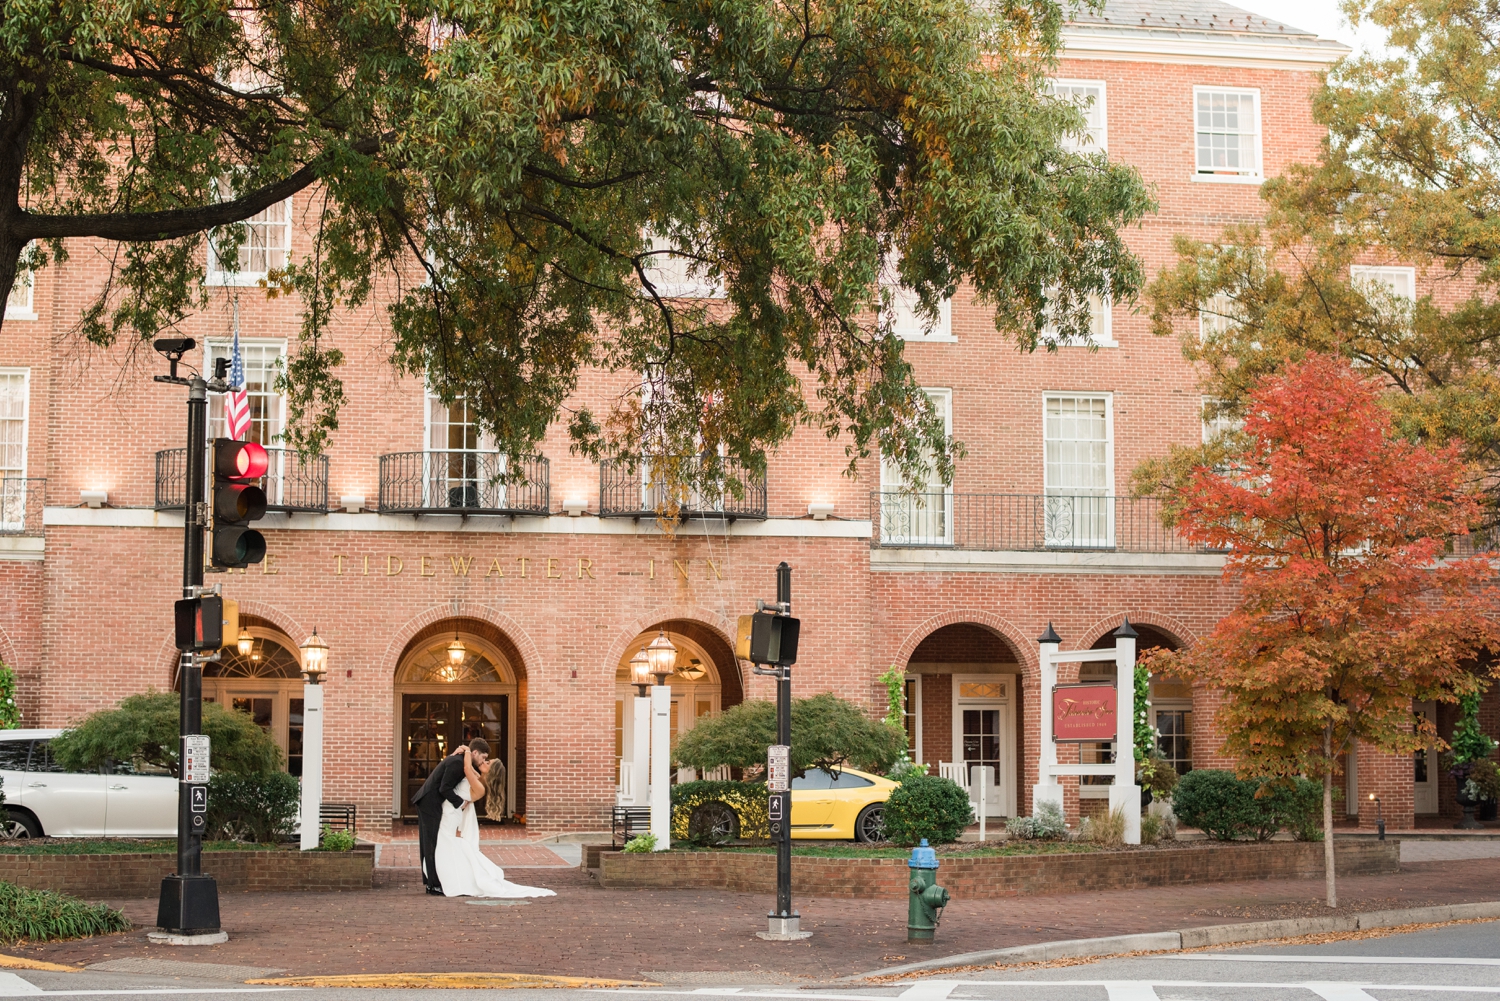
(144, 728)
(1107, 829)
(1225, 807)
(1157, 774)
(1045, 824)
(260, 808)
(924, 806)
(1484, 774)
(640, 844)
(1297, 805)
(10, 713)
(746, 799)
(42, 915)
(827, 732)
(335, 841)
(1153, 828)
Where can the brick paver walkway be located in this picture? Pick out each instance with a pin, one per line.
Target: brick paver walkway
(407, 854)
(587, 930)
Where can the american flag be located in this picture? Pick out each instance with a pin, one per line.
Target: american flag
(237, 401)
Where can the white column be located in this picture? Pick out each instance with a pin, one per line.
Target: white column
(640, 751)
(1046, 787)
(312, 763)
(1124, 793)
(661, 766)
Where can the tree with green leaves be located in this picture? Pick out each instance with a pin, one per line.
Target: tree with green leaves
(1409, 175)
(827, 732)
(528, 186)
(144, 729)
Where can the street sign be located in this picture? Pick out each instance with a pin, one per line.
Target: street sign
(198, 801)
(195, 759)
(1084, 713)
(778, 768)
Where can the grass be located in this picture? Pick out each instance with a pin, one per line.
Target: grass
(113, 846)
(43, 915)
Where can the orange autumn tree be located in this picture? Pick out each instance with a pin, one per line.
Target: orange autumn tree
(1349, 606)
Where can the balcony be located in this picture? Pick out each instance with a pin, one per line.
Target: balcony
(21, 501)
(1023, 522)
(463, 482)
(292, 481)
(632, 493)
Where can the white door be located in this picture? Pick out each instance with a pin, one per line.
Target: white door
(138, 805)
(1424, 766)
(983, 725)
(68, 804)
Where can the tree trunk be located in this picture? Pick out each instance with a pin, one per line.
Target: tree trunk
(1328, 873)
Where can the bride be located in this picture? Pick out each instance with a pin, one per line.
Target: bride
(462, 869)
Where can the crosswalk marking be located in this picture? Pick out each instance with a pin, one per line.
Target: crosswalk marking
(1130, 990)
(1222, 957)
(929, 990)
(12, 985)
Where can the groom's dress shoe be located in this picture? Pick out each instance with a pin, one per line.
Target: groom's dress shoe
(435, 891)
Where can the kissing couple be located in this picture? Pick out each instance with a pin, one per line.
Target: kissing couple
(448, 826)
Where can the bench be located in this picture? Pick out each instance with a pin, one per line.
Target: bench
(629, 821)
(337, 816)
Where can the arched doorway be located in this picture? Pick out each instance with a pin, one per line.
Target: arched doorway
(963, 697)
(456, 683)
(705, 681)
(266, 683)
(1170, 710)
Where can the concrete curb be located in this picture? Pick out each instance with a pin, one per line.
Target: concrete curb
(1195, 938)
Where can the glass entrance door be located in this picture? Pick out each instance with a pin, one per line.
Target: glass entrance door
(433, 725)
(1424, 767)
(981, 743)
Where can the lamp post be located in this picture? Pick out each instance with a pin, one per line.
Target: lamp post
(640, 732)
(314, 666)
(662, 658)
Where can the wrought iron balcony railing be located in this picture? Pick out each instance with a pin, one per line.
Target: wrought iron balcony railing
(21, 502)
(1023, 522)
(636, 493)
(292, 483)
(464, 482)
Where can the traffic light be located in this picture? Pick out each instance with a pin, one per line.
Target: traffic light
(235, 502)
(767, 638)
(200, 622)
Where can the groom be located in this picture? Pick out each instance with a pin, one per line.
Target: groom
(429, 803)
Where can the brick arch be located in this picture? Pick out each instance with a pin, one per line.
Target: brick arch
(263, 614)
(1160, 621)
(515, 641)
(712, 631)
(1024, 650)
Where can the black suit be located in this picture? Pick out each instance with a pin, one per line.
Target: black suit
(429, 803)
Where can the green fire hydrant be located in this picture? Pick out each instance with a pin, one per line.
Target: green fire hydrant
(926, 900)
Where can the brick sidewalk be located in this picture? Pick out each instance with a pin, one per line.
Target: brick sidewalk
(406, 855)
(587, 930)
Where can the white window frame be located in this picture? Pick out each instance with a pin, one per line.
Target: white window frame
(1099, 134)
(1091, 540)
(431, 476)
(1214, 317)
(5, 501)
(906, 324)
(914, 708)
(941, 510)
(1379, 274)
(221, 277)
(223, 347)
(1218, 424)
(1252, 176)
(1102, 307)
(26, 309)
(1006, 704)
(668, 273)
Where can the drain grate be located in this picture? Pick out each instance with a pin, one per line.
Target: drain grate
(172, 968)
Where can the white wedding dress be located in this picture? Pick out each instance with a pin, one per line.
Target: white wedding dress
(462, 868)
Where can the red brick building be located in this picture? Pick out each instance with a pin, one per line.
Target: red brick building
(394, 543)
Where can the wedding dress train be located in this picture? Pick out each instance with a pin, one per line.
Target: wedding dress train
(462, 868)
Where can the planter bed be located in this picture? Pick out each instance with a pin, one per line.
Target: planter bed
(975, 876)
(135, 869)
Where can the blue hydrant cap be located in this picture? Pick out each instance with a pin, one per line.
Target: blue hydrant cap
(922, 857)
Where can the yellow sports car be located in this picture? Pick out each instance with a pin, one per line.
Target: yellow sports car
(850, 804)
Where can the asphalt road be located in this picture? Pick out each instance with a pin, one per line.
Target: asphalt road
(1452, 962)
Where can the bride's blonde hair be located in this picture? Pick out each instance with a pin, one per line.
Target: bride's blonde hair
(494, 790)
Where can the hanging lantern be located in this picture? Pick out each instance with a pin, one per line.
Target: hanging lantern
(244, 643)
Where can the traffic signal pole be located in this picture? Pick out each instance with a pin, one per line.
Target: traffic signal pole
(784, 915)
(771, 638)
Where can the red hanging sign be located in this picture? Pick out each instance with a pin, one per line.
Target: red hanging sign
(1084, 713)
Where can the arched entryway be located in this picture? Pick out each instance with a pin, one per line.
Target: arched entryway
(705, 681)
(455, 681)
(963, 697)
(265, 682)
(1170, 711)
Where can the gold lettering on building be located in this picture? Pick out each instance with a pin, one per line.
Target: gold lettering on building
(338, 560)
(651, 570)
(713, 567)
(268, 567)
(552, 573)
(460, 565)
(682, 568)
(585, 567)
(495, 570)
(392, 565)
(423, 569)
(523, 561)
(367, 567)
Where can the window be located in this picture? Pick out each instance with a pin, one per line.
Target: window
(266, 244)
(1099, 672)
(1088, 95)
(1227, 125)
(909, 716)
(678, 277)
(918, 514)
(1215, 422)
(1101, 327)
(19, 304)
(1399, 282)
(1079, 475)
(1217, 317)
(906, 323)
(1172, 715)
(262, 366)
(13, 406)
(463, 468)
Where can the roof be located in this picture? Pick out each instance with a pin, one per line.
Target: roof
(1202, 27)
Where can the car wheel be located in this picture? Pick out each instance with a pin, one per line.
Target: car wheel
(20, 825)
(869, 826)
(713, 823)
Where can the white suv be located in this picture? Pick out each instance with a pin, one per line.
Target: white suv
(43, 799)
